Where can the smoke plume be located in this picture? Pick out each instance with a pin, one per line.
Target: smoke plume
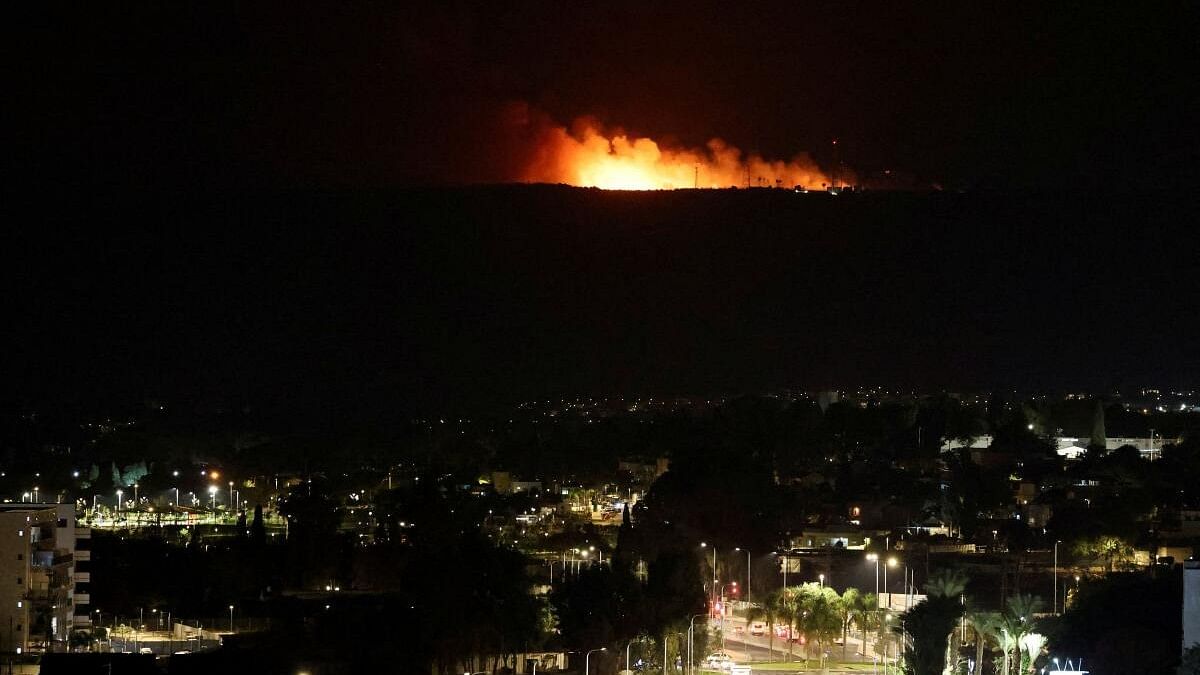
(588, 155)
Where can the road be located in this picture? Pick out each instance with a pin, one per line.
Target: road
(745, 648)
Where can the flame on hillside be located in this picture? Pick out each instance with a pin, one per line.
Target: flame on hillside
(588, 156)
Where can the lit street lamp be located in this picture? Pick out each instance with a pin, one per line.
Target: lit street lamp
(231, 618)
(135, 495)
(588, 656)
(738, 548)
(212, 492)
(713, 606)
(119, 493)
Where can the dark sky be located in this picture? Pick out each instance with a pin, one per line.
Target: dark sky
(215, 202)
(382, 93)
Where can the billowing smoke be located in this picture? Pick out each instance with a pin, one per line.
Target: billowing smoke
(587, 155)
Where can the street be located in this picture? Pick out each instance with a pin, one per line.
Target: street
(744, 648)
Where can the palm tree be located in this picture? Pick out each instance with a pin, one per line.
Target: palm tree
(927, 627)
(928, 624)
(1031, 645)
(949, 583)
(769, 614)
(1016, 625)
(866, 616)
(791, 610)
(986, 626)
(846, 607)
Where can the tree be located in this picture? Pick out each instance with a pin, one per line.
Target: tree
(1112, 549)
(1016, 632)
(1125, 623)
(927, 626)
(768, 613)
(823, 617)
(866, 615)
(847, 606)
(80, 639)
(258, 531)
(986, 627)
(790, 612)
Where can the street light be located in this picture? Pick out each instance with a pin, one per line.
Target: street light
(691, 628)
(588, 656)
(747, 574)
(891, 562)
(135, 495)
(231, 618)
(821, 577)
(714, 583)
(119, 493)
(176, 495)
(1056, 543)
(231, 495)
(212, 492)
(874, 557)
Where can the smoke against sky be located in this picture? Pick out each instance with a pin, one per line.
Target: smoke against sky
(588, 155)
(385, 94)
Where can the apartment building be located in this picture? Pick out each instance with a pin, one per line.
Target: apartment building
(43, 576)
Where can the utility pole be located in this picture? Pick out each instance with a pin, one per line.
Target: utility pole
(695, 186)
(833, 178)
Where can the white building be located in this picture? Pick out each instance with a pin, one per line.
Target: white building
(1070, 447)
(43, 575)
(1191, 603)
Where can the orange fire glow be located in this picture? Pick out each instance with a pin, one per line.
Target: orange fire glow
(588, 157)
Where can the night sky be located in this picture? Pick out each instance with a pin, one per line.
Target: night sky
(380, 93)
(264, 205)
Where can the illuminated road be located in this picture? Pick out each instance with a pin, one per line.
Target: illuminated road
(746, 648)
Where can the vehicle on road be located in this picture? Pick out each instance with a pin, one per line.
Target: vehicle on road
(718, 661)
(758, 628)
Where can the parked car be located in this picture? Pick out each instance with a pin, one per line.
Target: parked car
(758, 628)
(718, 661)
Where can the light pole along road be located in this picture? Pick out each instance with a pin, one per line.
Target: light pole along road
(747, 574)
